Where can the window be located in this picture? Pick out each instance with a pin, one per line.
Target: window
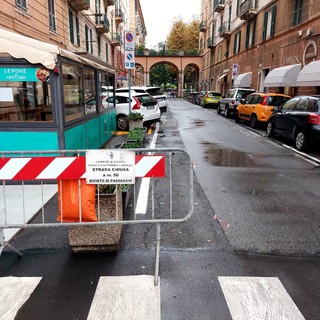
(74, 28)
(22, 4)
(52, 17)
(28, 100)
(297, 12)
(107, 52)
(89, 87)
(99, 46)
(89, 40)
(237, 42)
(72, 91)
(269, 23)
(290, 104)
(250, 34)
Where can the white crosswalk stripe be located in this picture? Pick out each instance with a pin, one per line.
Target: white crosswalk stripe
(258, 298)
(15, 291)
(136, 297)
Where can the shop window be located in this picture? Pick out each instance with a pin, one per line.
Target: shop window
(89, 90)
(52, 17)
(269, 23)
(22, 5)
(72, 91)
(28, 100)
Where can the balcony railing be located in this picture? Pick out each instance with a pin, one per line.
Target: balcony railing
(203, 26)
(118, 16)
(248, 9)
(218, 5)
(225, 29)
(211, 42)
(80, 5)
(102, 24)
(116, 39)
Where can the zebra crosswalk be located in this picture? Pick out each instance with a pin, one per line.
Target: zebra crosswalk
(136, 297)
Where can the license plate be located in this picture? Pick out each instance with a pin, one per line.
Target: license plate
(150, 108)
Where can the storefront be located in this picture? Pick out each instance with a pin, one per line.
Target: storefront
(44, 97)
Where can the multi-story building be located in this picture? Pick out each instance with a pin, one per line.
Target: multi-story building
(55, 55)
(263, 44)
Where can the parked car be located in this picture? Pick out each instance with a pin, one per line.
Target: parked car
(211, 98)
(230, 101)
(143, 103)
(298, 119)
(153, 91)
(258, 107)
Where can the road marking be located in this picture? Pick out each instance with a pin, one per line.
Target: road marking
(254, 298)
(131, 297)
(15, 291)
(142, 200)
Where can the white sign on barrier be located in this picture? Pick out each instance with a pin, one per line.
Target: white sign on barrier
(110, 167)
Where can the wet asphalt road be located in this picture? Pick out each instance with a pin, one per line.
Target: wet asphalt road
(255, 214)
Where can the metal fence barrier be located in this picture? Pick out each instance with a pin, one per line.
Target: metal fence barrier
(43, 170)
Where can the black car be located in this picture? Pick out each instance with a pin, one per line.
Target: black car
(297, 119)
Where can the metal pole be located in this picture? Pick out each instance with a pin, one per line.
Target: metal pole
(129, 84)
(156, 272)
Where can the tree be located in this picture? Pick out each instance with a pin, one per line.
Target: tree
(184, 36)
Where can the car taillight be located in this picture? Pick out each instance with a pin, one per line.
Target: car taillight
(314, 118)
(206, 96)
(137, 105)
(264, 101)
(233, 102)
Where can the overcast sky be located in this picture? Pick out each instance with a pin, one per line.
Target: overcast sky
(159, 15)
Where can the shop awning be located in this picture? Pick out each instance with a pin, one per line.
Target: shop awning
(35, 51)
(285, 76)
(309, 75)
(221, 77)
(243, 80)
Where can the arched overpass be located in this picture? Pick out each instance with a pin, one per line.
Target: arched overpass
(179, 62)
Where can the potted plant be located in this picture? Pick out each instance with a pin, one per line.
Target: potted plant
(135, 120)
(136, 136)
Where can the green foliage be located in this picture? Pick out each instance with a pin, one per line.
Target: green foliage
(106, 188)
(135, 116)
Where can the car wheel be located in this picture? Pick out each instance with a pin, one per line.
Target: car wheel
(253, 121)
(301, 141)
(122, 123)
(227, 112)
(218, 109)
(236, 117)
(269, 132)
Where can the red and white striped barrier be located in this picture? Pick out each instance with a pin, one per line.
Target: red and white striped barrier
(61, 168)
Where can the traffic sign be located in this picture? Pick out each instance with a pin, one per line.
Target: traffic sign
(129, 41)
(129, 60)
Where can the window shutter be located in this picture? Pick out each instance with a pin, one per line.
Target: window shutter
(239, 42)
(248, 36)
(235, 43)
(71, 31)
(91, 43)
(254, 31)
(265, 24)
(78, 31)
(87, 37)
(273, 21)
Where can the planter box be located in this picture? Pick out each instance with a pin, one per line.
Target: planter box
(135, 124)
(126, 193)
(100, 238)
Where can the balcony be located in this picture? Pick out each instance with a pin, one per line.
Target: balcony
(211, 42)
(218, 5)
(203, 26)
(248, 9)
(102, 24)
(80, 5)
(118, 16)
(225, 30)
(116, 40)
(108, 2)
